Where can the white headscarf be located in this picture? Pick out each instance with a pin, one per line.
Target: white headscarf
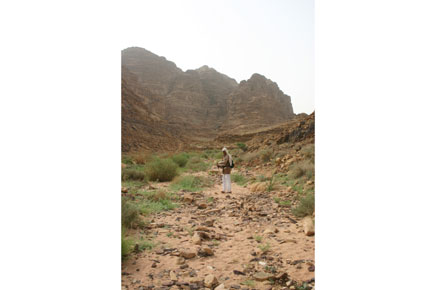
(229, 155)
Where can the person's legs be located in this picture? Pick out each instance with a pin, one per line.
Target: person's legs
(228, 182)
(224, 182)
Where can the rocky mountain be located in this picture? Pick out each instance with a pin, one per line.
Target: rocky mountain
(164, 107)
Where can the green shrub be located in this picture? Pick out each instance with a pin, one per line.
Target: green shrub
(238, 178)
(126, 159)
(145, 245)
(126, 246)
(129, 213)
(242, 146)
(132, 174)
(306, 206)
(161, 170)
(180, 159)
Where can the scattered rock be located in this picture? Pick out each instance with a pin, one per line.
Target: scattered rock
(262, 276)
(188, 253)
(236, 272)
(173, 276)
(188, 198)
(220, 287)
(202, 205)
(124, 189)
(210, 281)
(180, 261)
(196, 239)
(206, 251)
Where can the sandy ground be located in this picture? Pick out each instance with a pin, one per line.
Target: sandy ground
(228, 225)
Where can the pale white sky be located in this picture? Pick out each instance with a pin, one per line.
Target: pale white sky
(237, 38)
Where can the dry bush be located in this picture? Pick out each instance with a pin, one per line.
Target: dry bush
(303, 168)
(309, 151)
(249, 156)
(258, 187)
(266, 155)
(141, 157)
(158, 195)
(132, 174)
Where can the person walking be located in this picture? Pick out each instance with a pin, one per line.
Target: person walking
(226, 164)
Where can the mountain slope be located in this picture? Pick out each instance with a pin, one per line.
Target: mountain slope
(165, 107)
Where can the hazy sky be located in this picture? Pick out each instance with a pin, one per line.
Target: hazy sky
(237, 38)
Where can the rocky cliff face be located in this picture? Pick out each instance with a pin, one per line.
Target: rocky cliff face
(165, 106)
(257, 102)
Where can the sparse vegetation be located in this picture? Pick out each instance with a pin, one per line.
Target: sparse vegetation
(239, 179)
(191, 183)
(271, 184)
(145, 245)
(242, 146)
(197, 164)
(282, 202)
(264, 248)
(249, 156)
(141, 157)
(258, 238)
(161, 170)
(306, 206)
(151, 206)
(190, 231)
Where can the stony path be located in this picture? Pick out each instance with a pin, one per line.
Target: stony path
(213, 241)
